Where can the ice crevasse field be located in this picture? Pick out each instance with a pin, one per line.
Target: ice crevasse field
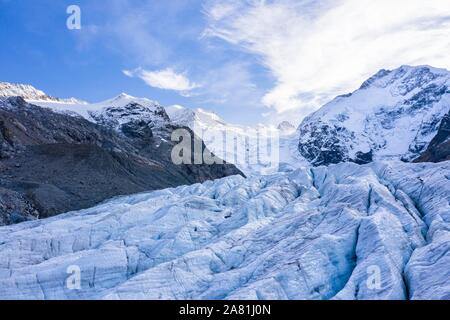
(312, 233)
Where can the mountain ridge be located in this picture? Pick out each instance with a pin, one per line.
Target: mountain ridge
(393, 115)
(53, 162)
(28, 92)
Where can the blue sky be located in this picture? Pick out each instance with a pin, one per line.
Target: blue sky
(37, 48)
(250, 61)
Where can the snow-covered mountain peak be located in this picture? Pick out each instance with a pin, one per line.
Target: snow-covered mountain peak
(406, 82)
(113, 112)
(125, 109)
(116, 115)
(30, 93)
(394, 114)
(214, 131)
(388, 89)
(23, 90)
(406, 78)
(286, 127)
(124, 99)
(124, 95)
(190, 117)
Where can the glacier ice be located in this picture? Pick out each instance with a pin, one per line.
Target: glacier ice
(377, 231)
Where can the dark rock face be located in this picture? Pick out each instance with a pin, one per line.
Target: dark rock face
(363, 158)
(439, 148)
(326, 148)
(52, 163)
(112, 117)
(15, 207)
(137, 130)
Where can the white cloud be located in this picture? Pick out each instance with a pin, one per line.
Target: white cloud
(166, 79)
(319, 49)
(128, 73)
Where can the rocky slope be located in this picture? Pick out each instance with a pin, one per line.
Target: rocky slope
(379, 231)
(439, 148)
(53, 162)
(394, 115)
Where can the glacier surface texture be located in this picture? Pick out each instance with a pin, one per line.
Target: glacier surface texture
(376, 231)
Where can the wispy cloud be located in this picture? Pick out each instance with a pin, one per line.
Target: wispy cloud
(166, 79)
(319, 49)
(140, 32)
(230, 85)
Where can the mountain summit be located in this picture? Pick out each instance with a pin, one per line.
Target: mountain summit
(394, 115)
(54, 162)
(30, 93)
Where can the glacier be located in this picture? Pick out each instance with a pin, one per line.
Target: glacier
(343, 232)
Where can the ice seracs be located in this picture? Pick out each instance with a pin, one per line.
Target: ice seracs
(217, 134)
(116, 111)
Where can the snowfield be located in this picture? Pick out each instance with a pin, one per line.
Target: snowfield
(378, 231)
(214, 131)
